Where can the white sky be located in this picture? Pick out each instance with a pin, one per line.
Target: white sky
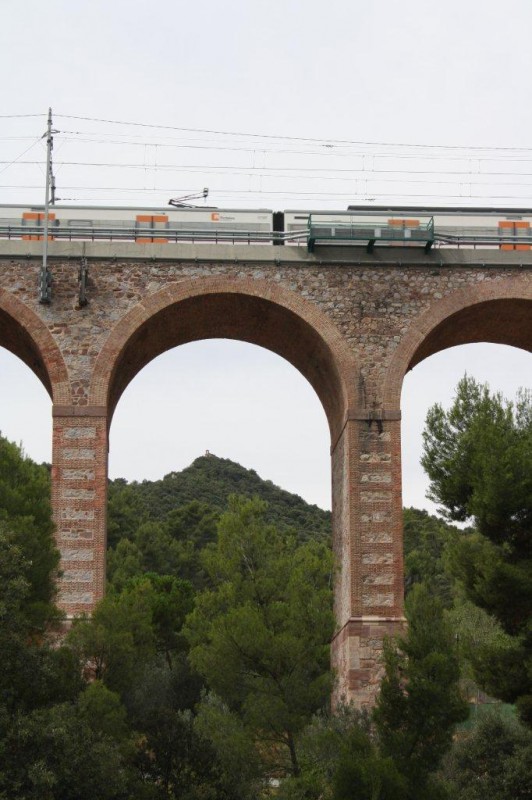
(451, 74)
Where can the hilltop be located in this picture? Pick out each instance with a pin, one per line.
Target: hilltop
(209, 480)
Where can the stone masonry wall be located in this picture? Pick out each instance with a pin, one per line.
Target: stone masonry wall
(351, 322)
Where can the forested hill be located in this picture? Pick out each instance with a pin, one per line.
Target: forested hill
(209, 480)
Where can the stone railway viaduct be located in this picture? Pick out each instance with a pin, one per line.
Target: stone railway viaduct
(352, 323)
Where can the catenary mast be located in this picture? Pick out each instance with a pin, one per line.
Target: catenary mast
(45, 277)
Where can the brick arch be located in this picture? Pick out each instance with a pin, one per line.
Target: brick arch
(498, 312)
(219, 307)
(25, 335)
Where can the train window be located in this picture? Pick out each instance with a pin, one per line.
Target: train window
(36, 218)
(151, 223)
(514, 228)
(404, 223)
(403, 227)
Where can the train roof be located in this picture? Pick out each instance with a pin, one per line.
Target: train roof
(156, 209)
(442, 209)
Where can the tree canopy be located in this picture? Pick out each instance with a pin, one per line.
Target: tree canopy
(478, 456)
(260, 634)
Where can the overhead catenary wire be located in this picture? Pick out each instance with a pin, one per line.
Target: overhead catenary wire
(264, 171)
(367, 166)
(302, 194)
(182, 145)
(20, 116)
(324, 141)
(17, 159)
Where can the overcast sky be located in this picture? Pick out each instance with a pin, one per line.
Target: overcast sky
(352, 83)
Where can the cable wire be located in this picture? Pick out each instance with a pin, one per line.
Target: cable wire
(266, 172)
(282, 137)
(17, 159)
(20, 116)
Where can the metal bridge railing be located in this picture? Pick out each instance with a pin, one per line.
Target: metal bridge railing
(352, 233)
(114, 233)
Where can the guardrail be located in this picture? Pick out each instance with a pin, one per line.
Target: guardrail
(356, 233)
(132, 234)
(324, 230)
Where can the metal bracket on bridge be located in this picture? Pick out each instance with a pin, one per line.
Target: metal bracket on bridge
(45, 285)
(83, 277)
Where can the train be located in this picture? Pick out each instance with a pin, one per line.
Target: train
(369, 226)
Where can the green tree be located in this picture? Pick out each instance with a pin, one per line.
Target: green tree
(173, 757)
(130, 628)
(478, 456)
(340, 760)
(425, 541)
(240, 764)
(70, 751)
(57, 741)
(33, 673)
(260, 635)
(419, 702)
(493, 762)
(168, 546)
(125, 510)
(119, 635)
(133, 644)
(123, 563)
(207, 482)
(364, 774)
(26, 519)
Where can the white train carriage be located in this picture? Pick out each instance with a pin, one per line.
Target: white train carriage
(142, 225)
(505, 229)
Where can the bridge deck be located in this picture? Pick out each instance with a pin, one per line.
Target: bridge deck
(267, 253)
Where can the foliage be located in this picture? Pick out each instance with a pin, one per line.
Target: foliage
(426, 538)
(494, 762)
(56, 740)
(478, 456)
(125, 510)
(208, 482)
(130, 628)
(364, 774)
(488, 655)
(173, 757)
(260, 635)
(225, 733)
(163, 526)
(116, 711)
(33, 673)
(134, 645)
(26, 521)
(419, 702)
(340, 760)
(69, 751)
(120, 710)
(172, 546)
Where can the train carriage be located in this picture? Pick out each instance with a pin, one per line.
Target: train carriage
(369, 226)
